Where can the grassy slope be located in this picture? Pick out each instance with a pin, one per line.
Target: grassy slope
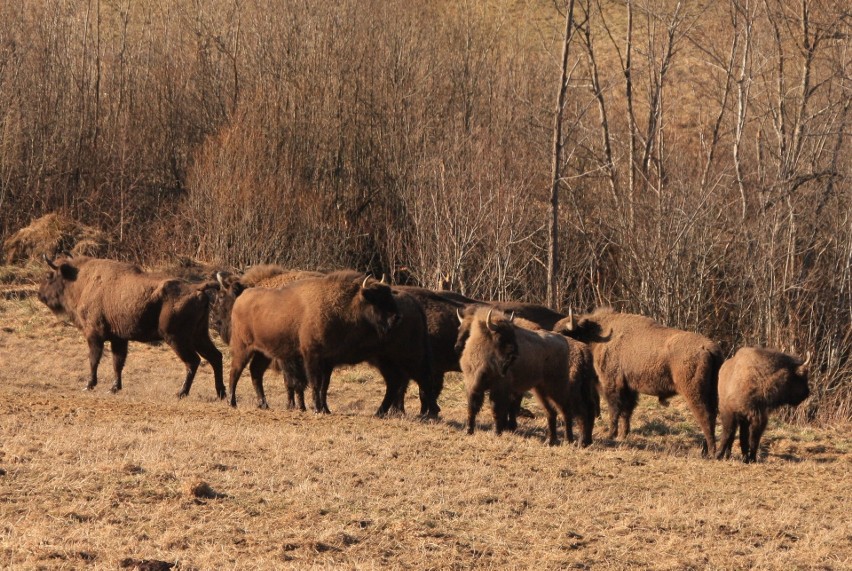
(92, 478)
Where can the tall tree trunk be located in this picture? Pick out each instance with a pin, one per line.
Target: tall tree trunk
(556, 179)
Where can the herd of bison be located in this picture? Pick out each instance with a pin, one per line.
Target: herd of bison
(307, 323)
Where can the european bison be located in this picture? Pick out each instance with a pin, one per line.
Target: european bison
(634, 354)
(324, 322)
(751, 383)
(118, 302)
(441, 309)
(403, 356)
(507, 360)
(267, 276)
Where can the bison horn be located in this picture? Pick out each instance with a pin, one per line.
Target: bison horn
(488, 319)
(807, 361)
(458, 314)
(384, 281)
(219, 279)
(364, 283)
(49, 262)
(512, 317)
(571, 324)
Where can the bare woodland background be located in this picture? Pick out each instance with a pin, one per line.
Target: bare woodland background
(707, 164)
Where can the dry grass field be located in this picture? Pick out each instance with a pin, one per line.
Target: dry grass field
(90, 479)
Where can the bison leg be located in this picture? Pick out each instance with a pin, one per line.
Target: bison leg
(190, 359)
(293, 371)
(119, 356)
(395, 385)
(707, 421)
(629, 398)
(207, 349)
(258, 366)
(500, 405)
(96, 350)
(758, 425)
(319, 376)
(544, 400)
(474, 404)
(239, 360)
(729, 432)
(514, 408)
(436, 385)
(744, 440)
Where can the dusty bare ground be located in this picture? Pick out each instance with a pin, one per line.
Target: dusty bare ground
(90, 479)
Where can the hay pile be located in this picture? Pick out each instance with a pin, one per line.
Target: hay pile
(53, 234)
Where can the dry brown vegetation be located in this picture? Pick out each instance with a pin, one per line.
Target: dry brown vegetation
(708, 188)
(92, 479)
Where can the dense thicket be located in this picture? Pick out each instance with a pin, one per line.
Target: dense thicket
(707, 172)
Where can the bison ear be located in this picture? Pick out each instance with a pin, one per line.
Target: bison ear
(68, 272)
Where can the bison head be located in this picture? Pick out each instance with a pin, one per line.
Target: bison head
(378, 306)
(586, 328)
(51, 292)
(796, 389)
(497, 333)
(220, 310)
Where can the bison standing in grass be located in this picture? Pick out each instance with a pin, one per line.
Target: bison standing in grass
(751, 383)
(118, 302)
(506, 360)
(634, 354)
(321, 323)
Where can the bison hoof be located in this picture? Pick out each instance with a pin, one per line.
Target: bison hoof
(182, 394)
(114, 389)
(220, 393)
(553, 443)
(263, 405)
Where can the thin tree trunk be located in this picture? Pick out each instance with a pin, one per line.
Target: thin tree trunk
(553, 245)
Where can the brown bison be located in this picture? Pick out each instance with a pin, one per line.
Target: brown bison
(441, 309)
(507, 360)
(118, 302)
(751, 383)
(324, 322)
(267, 276)
(634, 354)
(403, 356)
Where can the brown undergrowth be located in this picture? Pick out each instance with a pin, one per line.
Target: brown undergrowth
(93, 479)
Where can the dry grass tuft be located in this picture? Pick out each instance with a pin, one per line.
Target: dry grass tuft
(50, 235)
(99, 479)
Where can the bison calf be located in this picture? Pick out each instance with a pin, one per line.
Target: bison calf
(507, 361)
(118, 302)
(751, 383)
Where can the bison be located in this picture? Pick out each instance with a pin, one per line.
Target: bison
(634, 354)
(751, 383)
(324, 322)
(507, 360)
(405, 355)
(119, 302)
(268, 276)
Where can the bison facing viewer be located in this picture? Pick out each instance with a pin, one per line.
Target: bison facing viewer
(506, 360)
(634, 354)
(118, 302)
(751, 383)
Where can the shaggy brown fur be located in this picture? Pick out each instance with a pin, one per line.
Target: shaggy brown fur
(634, 354)
(325, 322)
(507, 360)
(118, 302)
(273, 275)
(751, 383)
